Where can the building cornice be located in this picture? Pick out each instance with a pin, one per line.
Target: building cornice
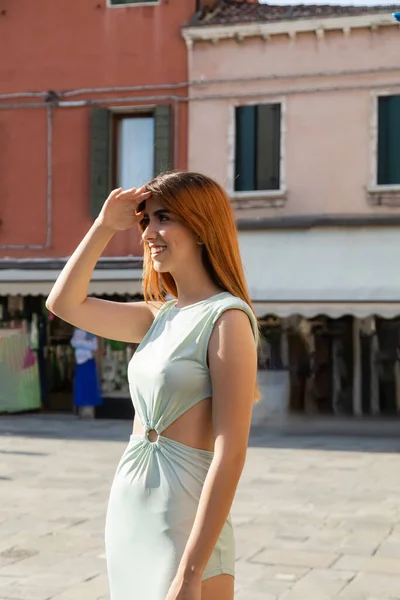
(318, 26)
(312, 221)
(57, 263)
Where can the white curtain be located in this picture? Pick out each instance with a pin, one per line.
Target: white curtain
(135, 151)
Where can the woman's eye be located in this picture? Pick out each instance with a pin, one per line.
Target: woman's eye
(164, 218)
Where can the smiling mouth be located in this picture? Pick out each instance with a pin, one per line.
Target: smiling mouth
(157, 250)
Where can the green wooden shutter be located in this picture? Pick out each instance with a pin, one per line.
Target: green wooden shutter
(162, 139)
(383, 135)
(100, 159)
(389, 140)
(394, 140)
(245, 148)
(115, 2)
(268, 142)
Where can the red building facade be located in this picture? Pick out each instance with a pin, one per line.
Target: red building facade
(93, 96)
(89, 99)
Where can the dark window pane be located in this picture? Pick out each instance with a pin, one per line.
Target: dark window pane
(131, 1)
(245, 160)
(258, 147)
(268, 155)
(389, 140)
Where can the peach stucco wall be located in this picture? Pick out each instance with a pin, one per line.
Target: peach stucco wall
(328, 150)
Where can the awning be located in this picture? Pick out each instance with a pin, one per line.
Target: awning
(34, 278)
(331, 271)
(335, 310)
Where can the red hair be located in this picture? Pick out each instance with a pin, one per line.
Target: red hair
(203, 206)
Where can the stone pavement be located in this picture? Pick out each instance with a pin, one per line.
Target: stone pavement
(317, 517)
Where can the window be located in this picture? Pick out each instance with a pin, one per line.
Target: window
(127, 149)
(133, 150)
(388, 140)
(258, 147)
(117, 2)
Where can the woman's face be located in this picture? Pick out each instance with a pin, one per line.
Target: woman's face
(172, 245)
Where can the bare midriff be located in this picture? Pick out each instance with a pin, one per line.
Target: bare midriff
(194, 428)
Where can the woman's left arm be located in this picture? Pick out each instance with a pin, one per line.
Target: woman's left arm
(233, 368)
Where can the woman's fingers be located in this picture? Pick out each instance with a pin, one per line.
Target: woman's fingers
(138, 194)
(126, 193)
(115, 192)
(142, 193)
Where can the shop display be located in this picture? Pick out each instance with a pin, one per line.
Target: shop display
(114, 366)
(45, 370)
(19, 373)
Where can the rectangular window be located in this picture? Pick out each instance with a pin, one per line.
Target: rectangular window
(388, 140)
(258, 147)
(128, 149)
(116, 2)
(133, 150)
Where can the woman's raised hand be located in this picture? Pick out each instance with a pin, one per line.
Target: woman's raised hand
(120, 210)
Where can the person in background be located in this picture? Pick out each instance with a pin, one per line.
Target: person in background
(87, 393)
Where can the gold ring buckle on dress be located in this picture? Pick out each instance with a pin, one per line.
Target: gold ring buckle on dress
(152, 435)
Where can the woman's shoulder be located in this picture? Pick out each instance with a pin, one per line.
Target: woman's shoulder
(228, 302)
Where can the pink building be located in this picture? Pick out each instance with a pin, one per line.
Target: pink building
(303, 108)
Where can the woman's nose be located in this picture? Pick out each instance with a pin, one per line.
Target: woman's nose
(149, 233)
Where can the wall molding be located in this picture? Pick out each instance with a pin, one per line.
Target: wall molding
(318, 26)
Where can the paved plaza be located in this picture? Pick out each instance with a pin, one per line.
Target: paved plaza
(317, 517)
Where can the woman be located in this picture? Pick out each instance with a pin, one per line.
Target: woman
(192, 381)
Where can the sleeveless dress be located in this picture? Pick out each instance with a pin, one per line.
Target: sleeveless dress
(157, 485)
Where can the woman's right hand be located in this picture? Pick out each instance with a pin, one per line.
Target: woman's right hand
(119, 211)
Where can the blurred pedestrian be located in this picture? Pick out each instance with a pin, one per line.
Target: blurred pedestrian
(87, 394)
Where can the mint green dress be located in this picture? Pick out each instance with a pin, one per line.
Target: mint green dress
(157, 485)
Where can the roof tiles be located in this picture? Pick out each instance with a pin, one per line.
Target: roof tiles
(230, 12)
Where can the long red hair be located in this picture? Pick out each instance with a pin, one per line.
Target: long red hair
(203, 206)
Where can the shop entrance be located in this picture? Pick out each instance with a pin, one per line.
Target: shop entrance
(48, 338)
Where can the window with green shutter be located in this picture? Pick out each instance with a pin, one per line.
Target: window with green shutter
(128, 149)
(388, 140)
(258, 147)
(133, 149)
(116, 2)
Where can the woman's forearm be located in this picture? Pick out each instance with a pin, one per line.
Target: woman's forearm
(214, 507)
(71, 287)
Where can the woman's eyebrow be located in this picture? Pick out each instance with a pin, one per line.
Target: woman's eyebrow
(159, 212)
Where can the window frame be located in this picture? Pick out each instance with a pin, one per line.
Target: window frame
(118, 115)
(103, 152)
(279, 194)
(373, 186)
(130, 4)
